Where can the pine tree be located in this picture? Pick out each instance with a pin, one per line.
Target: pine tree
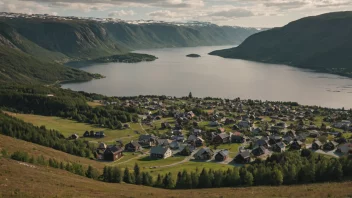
(277, 177)
(116, 175)
(179, 181)
(190, 95)
(137, 175)
(247, 178)
(159, 181)
(127, 176)
(204, 179)
(338, 172)
(168, 181)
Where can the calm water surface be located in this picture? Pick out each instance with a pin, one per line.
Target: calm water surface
(174, 74)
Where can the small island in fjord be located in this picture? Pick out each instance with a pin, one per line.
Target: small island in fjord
(193, 55)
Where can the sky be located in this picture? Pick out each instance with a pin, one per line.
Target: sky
(247, 13)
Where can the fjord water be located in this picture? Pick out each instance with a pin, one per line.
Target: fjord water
(174, 74)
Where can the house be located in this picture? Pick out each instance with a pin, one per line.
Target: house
(133, 146)
(91, 134)
(273, 139)
(261, 142)
(345, 148)
(342, 124)
(243, 157)
(147, 140)
(291, 134)
(316, 145)
(261, 150)
(204, 154)
(287, 140)
(331, 145)
(113, 153)
(221, 138)
(256, 130)
(191, 138)
(99, 134)
(163, 142)
(214, 123)
(235, 127)
(199, 142)
(237, 137)
(74, 137)
(222, 155)
(281, 124)
(244, 124)
(314, 134)
(102, 146)
(160, 152)
(174, 144)
(165, 125)
(187, 150)
(279, 147)
(296, 145)
(86, 134)
(229, 121)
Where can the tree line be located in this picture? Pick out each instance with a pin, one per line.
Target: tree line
(65, 104)
(280, 169)
(19, 129)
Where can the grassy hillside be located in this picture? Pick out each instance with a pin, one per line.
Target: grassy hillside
(322, 43)
(16, 66)
(20, 180)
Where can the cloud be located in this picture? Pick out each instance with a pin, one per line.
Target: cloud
(163, 14)
(232, 13)
(155, 3)
(121, 13)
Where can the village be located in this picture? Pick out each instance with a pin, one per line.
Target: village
(232, 132)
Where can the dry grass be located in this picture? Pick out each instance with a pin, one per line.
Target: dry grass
(19, 180)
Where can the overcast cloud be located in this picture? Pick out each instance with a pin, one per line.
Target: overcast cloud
(255, 13)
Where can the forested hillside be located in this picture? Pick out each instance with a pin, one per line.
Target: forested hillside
(322, 43)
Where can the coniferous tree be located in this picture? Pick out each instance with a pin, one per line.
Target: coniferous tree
(127, 176)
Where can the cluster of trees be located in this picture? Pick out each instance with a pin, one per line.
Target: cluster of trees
(63, 103)
(75, 168)
(287, 168)
(40, 135)
(117, 175)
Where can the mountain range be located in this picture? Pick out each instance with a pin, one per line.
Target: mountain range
(322, 43)
(39, 43)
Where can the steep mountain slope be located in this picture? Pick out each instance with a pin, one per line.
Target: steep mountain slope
(61, 39)
(322, 43)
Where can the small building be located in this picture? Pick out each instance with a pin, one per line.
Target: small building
(91, 134)
(243, 157)
(160, 152)
(174, 144)
(331, 145)
(287, 140)
(99, 134)
(261, 142)
(237, 137)
(74, 137)
(204, 154)
(296, 145)
(279, 147)
(187, 150)
(199, 142)
(221, 138)
(113, 153)
(133, 146)
(244, 124)
(147, 140)
(222, 155)
(261, 150)
(86, 134)
(316, 145)
(345, 148)
(163, 142)
(273, 139)
(314, 134)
